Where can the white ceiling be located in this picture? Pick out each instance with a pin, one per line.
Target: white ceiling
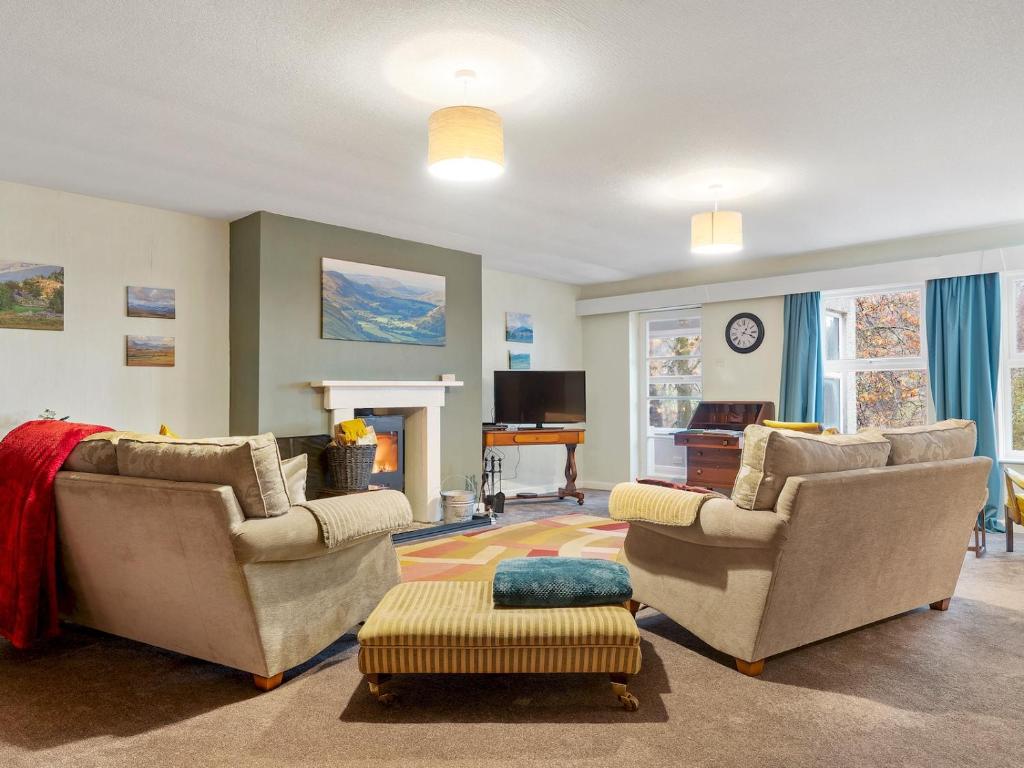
(873, 119)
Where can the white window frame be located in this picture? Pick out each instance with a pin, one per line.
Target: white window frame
(1009, 358)
(843, 367)
(645, 380)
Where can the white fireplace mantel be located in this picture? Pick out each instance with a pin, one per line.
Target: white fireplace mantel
(421, 402)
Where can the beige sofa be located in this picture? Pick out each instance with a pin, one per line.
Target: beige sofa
(177, 564)
(824, 552)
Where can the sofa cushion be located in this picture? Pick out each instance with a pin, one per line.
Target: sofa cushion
(295, 471)
(772, 456)
(98, 453)
(945, 440)
(250, 465)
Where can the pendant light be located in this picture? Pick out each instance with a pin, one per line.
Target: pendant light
(465, 143)
(716, 233)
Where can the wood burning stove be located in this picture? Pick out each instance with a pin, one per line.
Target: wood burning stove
(389, 463)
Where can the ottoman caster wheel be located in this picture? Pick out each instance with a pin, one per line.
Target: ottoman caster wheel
(374, 682)
(629, 702)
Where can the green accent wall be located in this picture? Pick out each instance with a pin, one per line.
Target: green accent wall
(276, 349)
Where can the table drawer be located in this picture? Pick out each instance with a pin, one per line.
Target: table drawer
(718, 476)
(538, 438)
(709, 441)
(713, 457)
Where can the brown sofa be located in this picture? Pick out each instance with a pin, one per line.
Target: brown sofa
(827, 551)
(178, 565)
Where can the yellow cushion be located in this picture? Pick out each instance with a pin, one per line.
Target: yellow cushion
(1015, 476)
(167, 432)
(453, 626)
(799, 426)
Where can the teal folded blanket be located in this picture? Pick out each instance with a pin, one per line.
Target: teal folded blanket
(560, 582)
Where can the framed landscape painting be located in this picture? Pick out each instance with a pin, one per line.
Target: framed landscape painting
(518, 327)
(31, 296)
(149, 351)
(519, 361)
(363, 302)
(151, 302)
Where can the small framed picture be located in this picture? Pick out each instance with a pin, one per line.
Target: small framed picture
(518, 361)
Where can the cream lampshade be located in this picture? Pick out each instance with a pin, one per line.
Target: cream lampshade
(716, 232)
(465, 144)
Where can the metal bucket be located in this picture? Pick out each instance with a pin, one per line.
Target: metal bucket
(458, 506)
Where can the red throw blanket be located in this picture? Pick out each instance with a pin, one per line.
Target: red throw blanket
(30, 456)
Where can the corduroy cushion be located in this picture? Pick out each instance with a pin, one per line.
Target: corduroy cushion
(942, 441)
(560, 582)
(772, 456)
(250, 465)
(453, 626)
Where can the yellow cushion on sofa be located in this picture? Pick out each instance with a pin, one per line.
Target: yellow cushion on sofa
(168, 432)
(797, 426)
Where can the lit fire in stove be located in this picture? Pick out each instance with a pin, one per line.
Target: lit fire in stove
(386, 458)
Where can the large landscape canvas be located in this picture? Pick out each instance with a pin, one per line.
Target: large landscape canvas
(364, 302)
(31, 296)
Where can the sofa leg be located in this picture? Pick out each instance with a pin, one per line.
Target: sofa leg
(750, 668)
(633, 606)
(267, 683)
(1009, 529)
(940, 605)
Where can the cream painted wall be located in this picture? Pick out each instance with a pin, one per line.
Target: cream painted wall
(557, 345)
(732, 376)
(608, 358)
(105, 246)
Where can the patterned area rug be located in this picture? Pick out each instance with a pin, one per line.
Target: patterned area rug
(473, 556)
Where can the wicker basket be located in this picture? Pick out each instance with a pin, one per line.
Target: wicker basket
(350, 466)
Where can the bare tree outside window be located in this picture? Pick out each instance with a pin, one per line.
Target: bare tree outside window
(874, 360)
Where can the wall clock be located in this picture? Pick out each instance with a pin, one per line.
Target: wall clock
(744, 333)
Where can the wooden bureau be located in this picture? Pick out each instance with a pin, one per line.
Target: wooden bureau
(714, 441)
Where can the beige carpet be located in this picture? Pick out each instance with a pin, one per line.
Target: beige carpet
(925, 689)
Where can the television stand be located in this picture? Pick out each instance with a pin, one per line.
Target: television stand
(567, 436)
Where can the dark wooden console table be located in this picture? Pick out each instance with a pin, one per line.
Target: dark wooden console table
(570, 438)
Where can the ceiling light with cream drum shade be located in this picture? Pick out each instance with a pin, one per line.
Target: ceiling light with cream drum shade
(465, 143)
(716, 233)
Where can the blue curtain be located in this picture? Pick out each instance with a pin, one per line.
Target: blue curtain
(963, 363)
(802, 397)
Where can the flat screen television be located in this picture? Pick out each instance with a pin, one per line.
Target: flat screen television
(540, 397)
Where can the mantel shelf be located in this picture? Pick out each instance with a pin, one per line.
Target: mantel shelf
(390, 384)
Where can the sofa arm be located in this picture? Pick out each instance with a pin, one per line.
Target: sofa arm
(301, 534)
(721, 523)
(639, 502)
(344, 519)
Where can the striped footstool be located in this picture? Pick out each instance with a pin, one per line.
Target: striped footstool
(454, 627)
